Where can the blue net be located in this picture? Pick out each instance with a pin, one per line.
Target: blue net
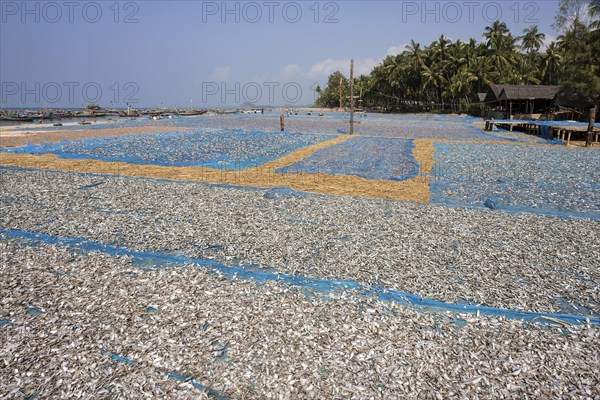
(367, 157)
(222, 149)
(544, 180)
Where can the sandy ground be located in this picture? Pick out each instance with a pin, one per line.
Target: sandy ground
(11, 138)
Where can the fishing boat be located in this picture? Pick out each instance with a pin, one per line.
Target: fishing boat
(191, 113)
(16, 118)
(131, 114)
(221, 112)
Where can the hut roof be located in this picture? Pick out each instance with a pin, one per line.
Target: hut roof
(571, 99)
(481, 97)
(493, 93)
(528, 92)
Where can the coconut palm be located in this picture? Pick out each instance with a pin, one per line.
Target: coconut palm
(503, 52)
(532, 40)
(498, 28)
(447, 71)
(550, 64)
(433, 79)
(594, 11)
(415, 51)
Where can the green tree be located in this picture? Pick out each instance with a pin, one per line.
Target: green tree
(448, 73)
(551, 63)
(581, 70)
(330, 96)
(532, 40)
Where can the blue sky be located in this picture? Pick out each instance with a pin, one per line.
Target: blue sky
(215, 53)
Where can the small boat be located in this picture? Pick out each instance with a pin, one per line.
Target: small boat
(17, 118)
(132, 114)
(191, 113)
(221, 112)
(254, 111)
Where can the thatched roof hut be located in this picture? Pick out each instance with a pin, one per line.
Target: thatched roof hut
(528, 92)
(521, 99)
(493, 93)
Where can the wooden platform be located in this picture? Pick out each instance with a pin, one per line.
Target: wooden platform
(560, 132)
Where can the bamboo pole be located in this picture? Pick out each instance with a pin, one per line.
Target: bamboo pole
(590, 130)
(352, 96)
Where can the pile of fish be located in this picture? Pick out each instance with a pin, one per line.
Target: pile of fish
(95, 326)
(542, 179)
(367, 157)
(520, 262)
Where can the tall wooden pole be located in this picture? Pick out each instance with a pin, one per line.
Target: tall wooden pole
(341, 97)
(590, 130)
(351, 96)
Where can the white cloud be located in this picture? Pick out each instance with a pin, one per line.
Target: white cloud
(326, 67)
(395, 50)
(547, 40)
(290, 71)
(365, 66)
(361, 66)
(221, 73)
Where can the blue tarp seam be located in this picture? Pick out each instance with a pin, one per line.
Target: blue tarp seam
(320, 285)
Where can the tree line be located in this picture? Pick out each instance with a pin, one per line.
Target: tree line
(448, 75)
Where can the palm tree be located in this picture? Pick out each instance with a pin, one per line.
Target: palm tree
(550, 63)
(594, 11)
(483, 69)
(579, 49)
(433, 78)
(448, 71)
(572, 42)
(503, 51)
(531, 42)
(496, 29)
(443, 41)
(415, 51)
(461, 84)
(532, 39)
